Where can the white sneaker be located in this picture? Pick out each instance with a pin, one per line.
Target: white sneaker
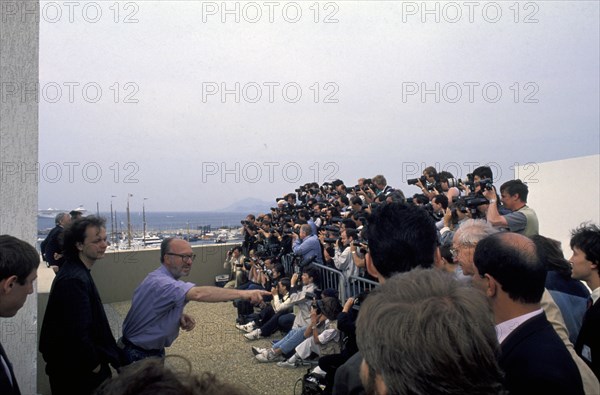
(254, 335)
(249, 327)
(258, 350)
(269, 356)
(288, 364)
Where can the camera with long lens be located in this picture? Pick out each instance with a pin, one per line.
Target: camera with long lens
(413, 181)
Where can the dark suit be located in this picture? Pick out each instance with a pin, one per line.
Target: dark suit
(53, 244)
(76, 336)
(6, 388)
(536, 361)
(589, 338)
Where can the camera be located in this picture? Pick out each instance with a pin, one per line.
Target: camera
(453, 182)
(413, 181)
(359, 299)
(318, 306)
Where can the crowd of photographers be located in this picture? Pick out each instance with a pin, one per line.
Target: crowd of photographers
(323, 225)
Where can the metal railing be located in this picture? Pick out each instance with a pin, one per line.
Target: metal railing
(357, 285)
(332, 278)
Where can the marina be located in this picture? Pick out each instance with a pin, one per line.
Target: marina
(148, 229)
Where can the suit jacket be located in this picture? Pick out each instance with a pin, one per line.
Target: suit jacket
(536, 361)
(53, 243)
(588, 341)
(76, 335)
(5, 383)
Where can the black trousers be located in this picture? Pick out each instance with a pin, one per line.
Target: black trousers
(67, 381)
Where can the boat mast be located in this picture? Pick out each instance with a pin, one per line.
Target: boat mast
(128, 222)
(144, 219)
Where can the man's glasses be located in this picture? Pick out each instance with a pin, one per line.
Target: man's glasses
(183, 257)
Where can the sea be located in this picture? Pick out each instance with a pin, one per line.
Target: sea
(163, 222)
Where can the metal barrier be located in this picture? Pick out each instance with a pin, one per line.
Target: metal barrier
(331, 278)
(357, 285)
(287, 261)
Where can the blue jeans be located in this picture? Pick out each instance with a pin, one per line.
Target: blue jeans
(291, 340)
(134, 353)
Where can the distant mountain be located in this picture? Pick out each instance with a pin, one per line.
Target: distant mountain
(249, 205)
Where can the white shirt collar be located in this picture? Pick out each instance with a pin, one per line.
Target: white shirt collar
(595, 295)
(505, 328)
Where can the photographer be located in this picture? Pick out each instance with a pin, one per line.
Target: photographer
(342, 258)
(307, 245)
(522, 219)
(269, 315)
(448, 186)
(249, 231)
(322, 336)
(302, 302)
(427, 182)
(439, 204)
(235, 262)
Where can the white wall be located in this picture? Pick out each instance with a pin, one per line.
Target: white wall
(19, 48)
(564, 194)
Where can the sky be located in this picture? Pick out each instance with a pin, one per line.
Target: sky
(196, 105)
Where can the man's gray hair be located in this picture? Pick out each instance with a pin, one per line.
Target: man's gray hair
(472, 231)
(59, 217)
(425, 333)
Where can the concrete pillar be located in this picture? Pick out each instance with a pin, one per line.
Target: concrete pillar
(19, 49)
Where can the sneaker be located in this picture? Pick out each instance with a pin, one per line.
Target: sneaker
(249, 327)
(258, 350)
(268, 356)
(254, 335)
(287, 364)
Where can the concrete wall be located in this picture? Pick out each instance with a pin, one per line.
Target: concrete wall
(564, 194)
(19, 47)
(118, 274)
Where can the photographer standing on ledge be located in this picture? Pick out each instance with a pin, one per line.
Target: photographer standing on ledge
(307, 245)
(522, 219)
(249, 231)
(235, 262)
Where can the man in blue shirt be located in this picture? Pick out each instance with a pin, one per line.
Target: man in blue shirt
(156, 313)
(307, 245)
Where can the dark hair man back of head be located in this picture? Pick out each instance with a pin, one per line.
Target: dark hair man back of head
(18, 271)
(425, 333)
(512, 260)
(17, 258)
(401, 237)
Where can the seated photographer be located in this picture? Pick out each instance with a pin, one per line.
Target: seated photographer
(235, 262)
(342, 258)
(298, 299)
(346, 323)
(307, 245)
(522, 219)
(322, 336)
(280, 305)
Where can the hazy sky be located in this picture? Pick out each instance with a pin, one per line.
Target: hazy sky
(196, 105)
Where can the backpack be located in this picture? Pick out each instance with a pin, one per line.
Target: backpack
(311, 384)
